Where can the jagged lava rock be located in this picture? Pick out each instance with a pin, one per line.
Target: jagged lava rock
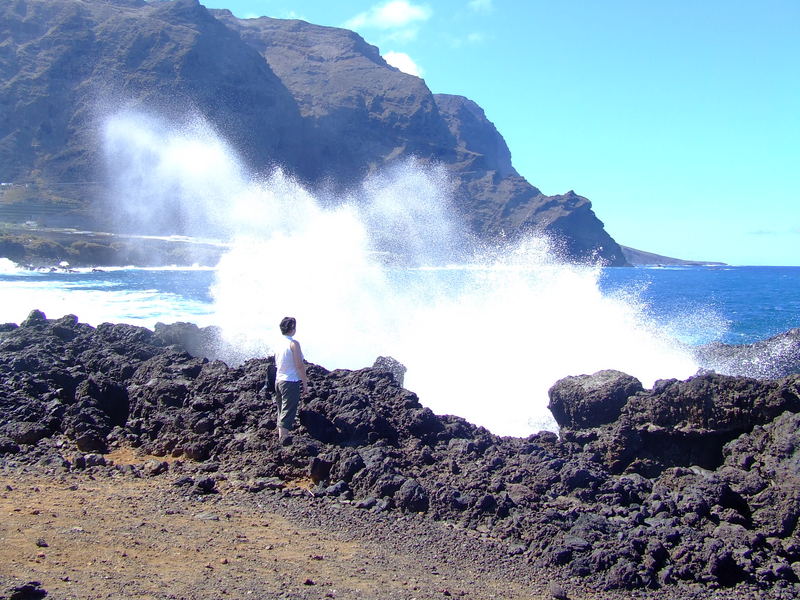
(582, 402)
(692, 482)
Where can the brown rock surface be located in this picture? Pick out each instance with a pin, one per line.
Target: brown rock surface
(137, 538)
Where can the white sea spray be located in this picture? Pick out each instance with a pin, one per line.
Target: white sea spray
(8, 266)
(484, 338)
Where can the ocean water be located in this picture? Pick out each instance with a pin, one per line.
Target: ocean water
(546, 322)
(697, 305)
(751, 303)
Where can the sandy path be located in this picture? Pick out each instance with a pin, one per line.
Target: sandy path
(123, 537)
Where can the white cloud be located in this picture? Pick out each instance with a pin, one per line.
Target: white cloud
(403, 62)
(482, 6)
(390, 15)
(401, 36)
(471, 39)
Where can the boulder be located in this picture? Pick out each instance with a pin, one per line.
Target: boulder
(587, 401)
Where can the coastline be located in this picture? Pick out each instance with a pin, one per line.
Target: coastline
(48, 247)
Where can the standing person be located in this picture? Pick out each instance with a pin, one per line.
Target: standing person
(290, 380)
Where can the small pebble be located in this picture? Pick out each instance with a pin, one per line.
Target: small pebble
(556, 591)
(206, 516)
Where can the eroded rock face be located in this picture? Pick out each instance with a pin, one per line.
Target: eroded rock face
(583, 402)
(677, 423)
(694, 481)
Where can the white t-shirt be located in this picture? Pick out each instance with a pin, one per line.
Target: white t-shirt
(284, 361)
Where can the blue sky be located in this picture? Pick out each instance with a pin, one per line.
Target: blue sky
(679, 120)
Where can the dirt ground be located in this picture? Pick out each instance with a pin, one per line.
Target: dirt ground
(85, 537)
(101, 533)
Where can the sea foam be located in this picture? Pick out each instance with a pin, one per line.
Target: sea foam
(8, 266)
(386, 269)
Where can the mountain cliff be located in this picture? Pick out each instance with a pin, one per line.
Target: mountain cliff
(318, 101)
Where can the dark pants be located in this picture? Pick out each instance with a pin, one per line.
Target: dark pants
(287, 398)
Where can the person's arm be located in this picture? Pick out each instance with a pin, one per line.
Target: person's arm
(297, 354)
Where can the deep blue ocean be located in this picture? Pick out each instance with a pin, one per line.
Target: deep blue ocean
(755, 302)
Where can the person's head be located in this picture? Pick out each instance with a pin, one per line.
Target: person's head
(288, 325)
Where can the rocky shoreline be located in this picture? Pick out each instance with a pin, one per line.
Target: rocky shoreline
(688, 489)
(43, 248)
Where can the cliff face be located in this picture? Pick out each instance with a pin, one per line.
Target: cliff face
(67, 63)
(358, 112)
(503, 201)
(319, 101)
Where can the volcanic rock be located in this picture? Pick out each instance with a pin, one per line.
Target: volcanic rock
(583, 402)
(692, 482)
(675, 423)
(31, 590)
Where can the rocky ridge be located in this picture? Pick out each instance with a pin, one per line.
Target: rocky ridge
(693, 483)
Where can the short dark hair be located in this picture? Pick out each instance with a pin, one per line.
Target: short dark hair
(288, 324)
